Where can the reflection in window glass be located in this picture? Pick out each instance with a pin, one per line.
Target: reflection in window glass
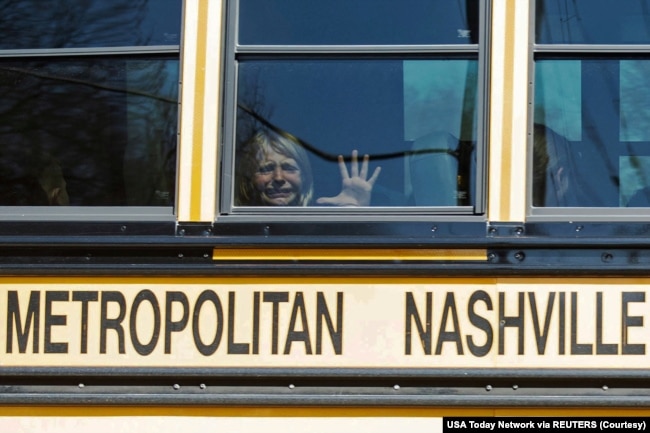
(88, 131)
(358, 22)
(29, 24)
(635, 97)
(591, 146)
(416, 119)
(592, 22)
(558, 96)
(635, 181)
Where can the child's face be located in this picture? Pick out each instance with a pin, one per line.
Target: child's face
(278, 179)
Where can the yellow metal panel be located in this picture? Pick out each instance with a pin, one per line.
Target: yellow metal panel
(508, 102)
(348, 254)
(309, 412)
(279, 322)
(199, 101)
(200, 90)
(269, 420)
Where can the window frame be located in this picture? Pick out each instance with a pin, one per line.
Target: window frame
(226, 210)
(99, 213)
(572, 52)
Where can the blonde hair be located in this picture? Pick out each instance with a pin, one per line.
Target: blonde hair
(248, 159)
(553, 183)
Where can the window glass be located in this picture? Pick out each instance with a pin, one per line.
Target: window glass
(358, 22)
(415, 118)
(592, 22)
(30, 24)
(88, 131)
(592, 139)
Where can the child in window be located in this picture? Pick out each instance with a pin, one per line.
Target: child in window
(273, 170)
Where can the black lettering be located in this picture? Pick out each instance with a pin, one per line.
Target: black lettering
(147, 348)
(275, 298)
(577, 348)
(32, 319)
(114, 324)
(207, 349)
(541, 336)
(256, 323)
(85, 298)
(481, 323)
(601, 348)
(234, 348)
(451, 336)
(175, 326)
(412, 314)
(54, 320)
(323, 313)
(629, 321)
(511, 321)
(294, 335)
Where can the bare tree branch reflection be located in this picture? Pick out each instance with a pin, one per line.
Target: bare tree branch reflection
(107, 122)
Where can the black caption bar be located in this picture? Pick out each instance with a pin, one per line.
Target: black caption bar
(544, 424)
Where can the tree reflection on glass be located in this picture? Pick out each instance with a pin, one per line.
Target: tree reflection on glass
(29, 24)
(103, 128)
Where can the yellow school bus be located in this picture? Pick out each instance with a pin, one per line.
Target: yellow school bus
(345, 215)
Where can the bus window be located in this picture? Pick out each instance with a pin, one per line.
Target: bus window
(383, 108)
(89, 102)
(363, 22)
(371, 123)
(592, 99)
(592, 22)
(26, 24)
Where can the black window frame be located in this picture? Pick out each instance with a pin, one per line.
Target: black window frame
(227, 212)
